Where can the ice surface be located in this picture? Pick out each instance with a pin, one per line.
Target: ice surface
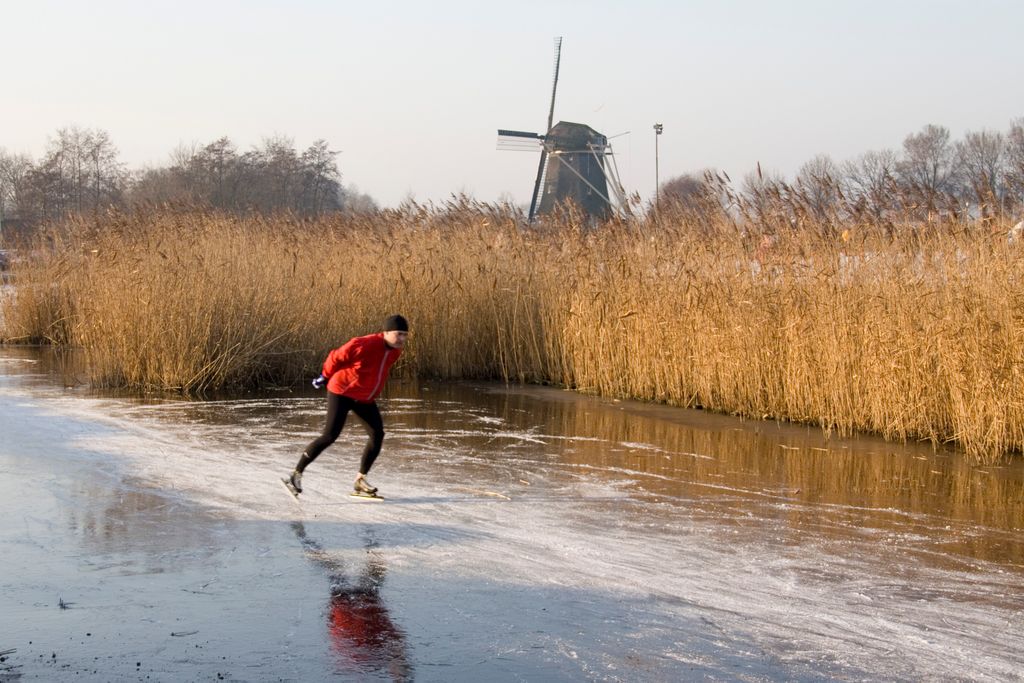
(527, 535)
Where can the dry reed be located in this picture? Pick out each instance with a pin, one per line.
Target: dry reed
(913, 332)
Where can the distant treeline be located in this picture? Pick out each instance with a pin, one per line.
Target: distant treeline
(80, 173)
(978, 177)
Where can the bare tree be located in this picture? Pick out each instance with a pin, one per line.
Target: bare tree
(157, 186)
(869, 183)
(106, 177)
(817, 188)
(929, 169)
(273, 176)
(684, 190)
(982, 157)
(356, 202)
(217, 168)
(198, 174)
(185, 175)
(15, 170)
(1014, 163)
(704, 194)
(79, 172)
(321, 179)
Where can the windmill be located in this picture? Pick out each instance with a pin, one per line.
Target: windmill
(576, 162)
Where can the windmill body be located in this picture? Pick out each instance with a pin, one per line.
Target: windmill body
(576, 170)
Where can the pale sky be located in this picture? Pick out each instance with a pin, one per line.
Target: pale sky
(412, 92)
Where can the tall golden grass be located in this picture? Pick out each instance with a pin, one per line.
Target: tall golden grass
(912, 332)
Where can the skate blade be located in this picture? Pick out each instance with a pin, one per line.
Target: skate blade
(290, 489)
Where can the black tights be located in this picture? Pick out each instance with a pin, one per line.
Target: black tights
(337, 410)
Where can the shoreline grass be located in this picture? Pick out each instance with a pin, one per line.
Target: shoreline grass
(912, 331)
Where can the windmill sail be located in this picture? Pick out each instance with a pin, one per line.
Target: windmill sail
(519, 141)
(551, 117)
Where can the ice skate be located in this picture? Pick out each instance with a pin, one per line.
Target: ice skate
(363, 489)
(293, 483)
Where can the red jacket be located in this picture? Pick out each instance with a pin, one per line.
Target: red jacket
(359, 369)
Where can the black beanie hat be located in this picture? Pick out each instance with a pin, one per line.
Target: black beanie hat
(396, 322)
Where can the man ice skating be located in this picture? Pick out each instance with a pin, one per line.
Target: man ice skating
(355, 374)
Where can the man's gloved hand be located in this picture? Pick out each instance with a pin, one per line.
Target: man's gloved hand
(319, 382)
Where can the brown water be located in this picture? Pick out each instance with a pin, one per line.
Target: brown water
(740, 472)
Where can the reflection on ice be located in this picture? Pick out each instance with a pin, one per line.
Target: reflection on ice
(361, 630)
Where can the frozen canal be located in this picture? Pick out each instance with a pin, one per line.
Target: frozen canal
(529, 535)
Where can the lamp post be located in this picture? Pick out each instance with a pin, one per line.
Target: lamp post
(657, 187)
